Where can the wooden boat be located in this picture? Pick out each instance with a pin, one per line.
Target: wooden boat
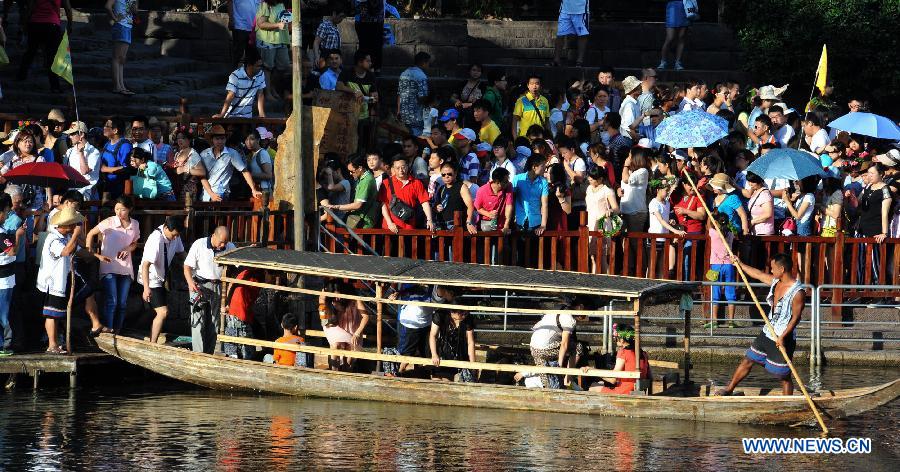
(223, 373)
(220, 372)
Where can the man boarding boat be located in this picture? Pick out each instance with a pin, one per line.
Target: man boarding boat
(786, 299)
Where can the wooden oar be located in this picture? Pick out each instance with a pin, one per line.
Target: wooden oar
(373, 356)
(759, 307)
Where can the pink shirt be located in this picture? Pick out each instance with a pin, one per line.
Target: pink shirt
(115, 239)
(756, 204)
(717, 252)
(486, 199)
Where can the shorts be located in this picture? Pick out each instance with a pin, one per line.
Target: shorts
(727, 273)
(55, 307)
(763, 351)
(121, 34)
(275, 58)
(675, 16)
(158, 297)
(413, 341)
(573, 24)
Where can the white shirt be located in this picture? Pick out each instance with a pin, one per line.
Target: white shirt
(155, 248)
(784, 135)
(201, 258)
(245, 90)
(147, 145)
(219, 170)
(630, 111)
(417, 317)
(53, 273)
(507, 164)
(546, 332)
(256, 162)
(662, 209)
(92, 156)
(818, 141)
(687, 105)
(595, 114)
(779, 205)
(634, 200)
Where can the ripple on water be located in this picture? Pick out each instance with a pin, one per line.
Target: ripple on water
(159, 427)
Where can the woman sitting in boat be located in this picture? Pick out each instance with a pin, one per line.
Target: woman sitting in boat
(452, 338)
(343, 322)
(625, 361)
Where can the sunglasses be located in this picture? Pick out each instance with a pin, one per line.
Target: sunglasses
(449, 174)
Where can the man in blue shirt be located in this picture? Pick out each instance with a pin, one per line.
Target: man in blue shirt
(531, 192)
(329, 79)
(114, 157)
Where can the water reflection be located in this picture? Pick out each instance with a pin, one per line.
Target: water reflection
(146, 427)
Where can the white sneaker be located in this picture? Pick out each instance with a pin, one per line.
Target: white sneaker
(678, 65)
(662, 65)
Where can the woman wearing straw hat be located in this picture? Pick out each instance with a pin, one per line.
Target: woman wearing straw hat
(53, 273)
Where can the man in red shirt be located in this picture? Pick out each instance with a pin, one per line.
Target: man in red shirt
(409, 191)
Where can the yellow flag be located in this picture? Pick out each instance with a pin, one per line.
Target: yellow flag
(822, 71)
(62, 63)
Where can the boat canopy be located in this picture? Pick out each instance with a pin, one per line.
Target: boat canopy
(402, 270)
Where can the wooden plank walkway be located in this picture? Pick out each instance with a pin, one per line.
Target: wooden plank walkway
(36, 364)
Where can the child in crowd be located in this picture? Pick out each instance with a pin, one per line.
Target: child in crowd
(659, 211)
(290, 336)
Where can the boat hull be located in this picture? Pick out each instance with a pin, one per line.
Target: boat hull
(223, 373)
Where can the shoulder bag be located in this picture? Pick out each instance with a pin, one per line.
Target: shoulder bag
(398, 207)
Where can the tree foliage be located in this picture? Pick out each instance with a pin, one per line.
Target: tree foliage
(782, 41)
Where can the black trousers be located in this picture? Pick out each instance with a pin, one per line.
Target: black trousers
(46, 36)
(371, 40)
(239, 42)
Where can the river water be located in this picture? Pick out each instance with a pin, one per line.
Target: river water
(145, 423)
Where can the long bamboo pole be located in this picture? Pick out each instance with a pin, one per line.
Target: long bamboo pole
(379, 312)
(620, 374)
(759, 307)
(531, 311)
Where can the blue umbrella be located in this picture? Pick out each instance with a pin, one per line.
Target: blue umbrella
(867, 124)
(786, 163)
(690, 129)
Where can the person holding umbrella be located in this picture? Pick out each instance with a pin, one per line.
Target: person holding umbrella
(24, 147)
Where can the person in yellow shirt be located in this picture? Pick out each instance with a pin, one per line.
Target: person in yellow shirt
(489, 130)
(530, 109)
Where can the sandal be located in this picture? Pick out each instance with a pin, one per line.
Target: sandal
(58, 351)
(98, 331)
(722, 393)
(124, 92)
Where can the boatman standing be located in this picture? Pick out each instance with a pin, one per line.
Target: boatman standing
(786, 299)
(204, 280)
(159, 250)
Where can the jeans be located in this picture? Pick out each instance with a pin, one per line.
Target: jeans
(5, 301)
(116, 288)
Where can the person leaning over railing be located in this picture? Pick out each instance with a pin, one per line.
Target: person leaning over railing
(221, 162)
(365, 209)
(151, 181)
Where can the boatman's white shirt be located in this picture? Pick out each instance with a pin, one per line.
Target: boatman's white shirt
(201, 257)
(156, 247)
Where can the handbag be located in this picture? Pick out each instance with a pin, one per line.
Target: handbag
(691, 9)
(398, 207)
(144, 187)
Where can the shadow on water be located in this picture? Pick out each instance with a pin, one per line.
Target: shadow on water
(161, 425)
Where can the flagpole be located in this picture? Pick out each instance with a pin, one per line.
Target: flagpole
(823, 61)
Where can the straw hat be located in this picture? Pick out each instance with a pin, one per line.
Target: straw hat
(890, 158)
(11, 137)
(771, 92)
(67, 217)
(630, 83)
(77, 127)
(721, 182)
(216, 130)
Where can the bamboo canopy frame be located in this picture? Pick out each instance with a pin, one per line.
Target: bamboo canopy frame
(759, 307)
(383, 270)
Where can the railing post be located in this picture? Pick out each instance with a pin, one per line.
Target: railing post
(837, 276)
(584, 258)
(459, 234)
(189, 218)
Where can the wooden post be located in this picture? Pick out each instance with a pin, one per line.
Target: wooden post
(223, 307)
(37, 376)
(639, 384)
(687, 346)
(379, 309)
